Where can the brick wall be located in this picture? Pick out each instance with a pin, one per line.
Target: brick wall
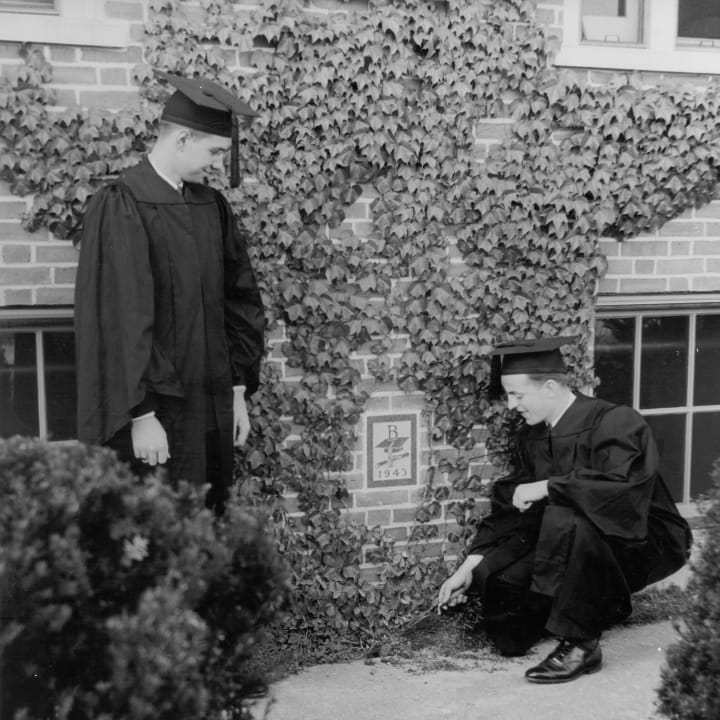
(682, 256)
(37, 270)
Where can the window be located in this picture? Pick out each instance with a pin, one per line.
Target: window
(70, 22)
(612, 21)
(27, 5)
(699, 23)
(666, 364)
(37, 378)
(666, 36)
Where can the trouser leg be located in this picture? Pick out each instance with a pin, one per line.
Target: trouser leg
(514, 616)
(576, 567)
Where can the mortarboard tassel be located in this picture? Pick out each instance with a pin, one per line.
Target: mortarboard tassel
(234, 153)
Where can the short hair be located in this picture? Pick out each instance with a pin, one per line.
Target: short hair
(541, 378)
(165, 127)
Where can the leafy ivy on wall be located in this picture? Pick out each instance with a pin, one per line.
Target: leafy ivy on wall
(380, 103)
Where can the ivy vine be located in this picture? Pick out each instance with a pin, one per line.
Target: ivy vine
(459, 251)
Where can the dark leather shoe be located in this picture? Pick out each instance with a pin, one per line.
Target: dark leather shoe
(566, 662)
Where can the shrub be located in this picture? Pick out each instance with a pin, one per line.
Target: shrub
(121, 598)
(690, 681)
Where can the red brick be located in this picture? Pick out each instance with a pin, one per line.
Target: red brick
(65, 97)
(377, 498)
(707, 247)
(55, 296)
(678, 284)
(398, 533)
(711, 210)
(644, 247)
(67, 253)
(109, 99)
(24, 275)
(486, 131)
(609, 247)
(608, 286)
(646, 267)
(74, 75)
(132, 54)
(408, 402)
(64, 276)
(545, 17)
(124, 10)
(63, 53)
(705, 283)
(18, 297)
(14, 231)
(681, 248)
(9, 50)
(378, 517)
(12, 209)
(346, 5)
(685, 229)
(137, 32)
(617, 266)
(375, 404)
(358, 210)
(16, 253)
(114, 76)
(404, 515)
(680, 267)
(642, 285)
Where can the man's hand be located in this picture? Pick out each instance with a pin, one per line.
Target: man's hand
(241, 421)
(528, 493)
(149, 440)
(454, 590)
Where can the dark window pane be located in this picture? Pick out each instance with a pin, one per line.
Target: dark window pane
(699, 19)
(705, 450)
(669, 434)
(707, 360)
(18, 385)
(663, 362)
(59, 352)
(614, 349)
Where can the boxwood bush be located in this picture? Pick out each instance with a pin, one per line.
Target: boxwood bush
(123, 598)
(690, 681)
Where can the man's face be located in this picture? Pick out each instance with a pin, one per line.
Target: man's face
(531, 399)
(199, 153)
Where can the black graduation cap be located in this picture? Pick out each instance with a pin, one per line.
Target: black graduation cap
(209, 107)
(537, 356)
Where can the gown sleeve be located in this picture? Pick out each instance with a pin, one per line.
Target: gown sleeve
(616, 491)
(113, 315)
(505, 521)
(244, 312)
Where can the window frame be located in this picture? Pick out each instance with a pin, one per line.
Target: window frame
(74, 22)
(691, 306)
(38, 321)
(660, 51)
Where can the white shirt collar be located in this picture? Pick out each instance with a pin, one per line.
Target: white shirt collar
(571, 400)
(174, 186)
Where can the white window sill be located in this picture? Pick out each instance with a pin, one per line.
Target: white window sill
(35, 28)
(608, 57)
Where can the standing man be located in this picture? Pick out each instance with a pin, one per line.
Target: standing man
(168, 317)
(583, 522)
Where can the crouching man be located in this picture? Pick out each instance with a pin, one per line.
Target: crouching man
(584, 521)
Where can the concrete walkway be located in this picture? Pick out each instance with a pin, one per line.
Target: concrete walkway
(481, 686)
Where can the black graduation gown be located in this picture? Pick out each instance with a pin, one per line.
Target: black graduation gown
(168, 317)
(608, 527)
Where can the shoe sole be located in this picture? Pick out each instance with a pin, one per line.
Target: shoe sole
(548, 681)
